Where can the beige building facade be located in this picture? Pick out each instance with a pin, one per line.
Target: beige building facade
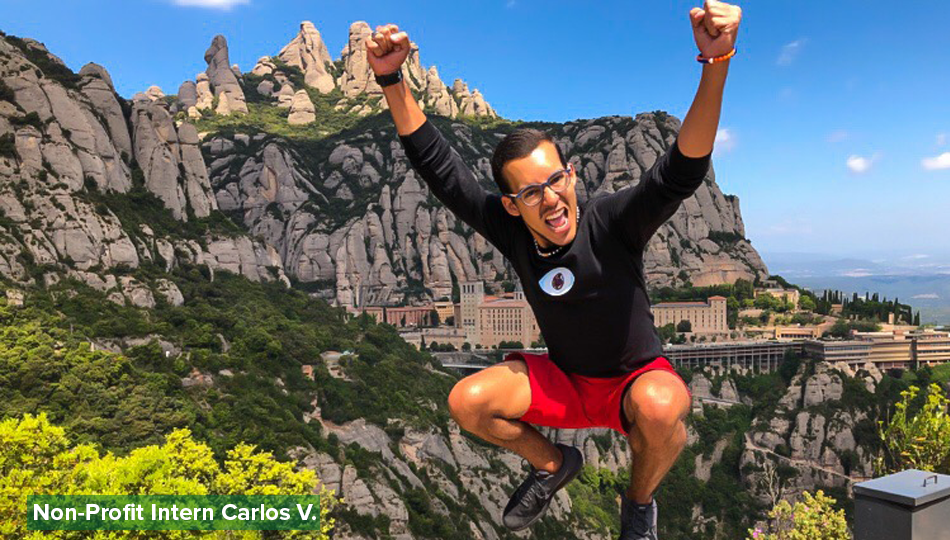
(886, 350)
(797, 332)
(441, 335)
(790, 295)
(445, 309)
(931, 347)
(487, 320)
(704, 317)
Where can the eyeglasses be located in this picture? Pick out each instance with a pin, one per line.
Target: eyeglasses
(558, 182)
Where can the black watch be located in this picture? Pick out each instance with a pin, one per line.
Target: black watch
(390, 78)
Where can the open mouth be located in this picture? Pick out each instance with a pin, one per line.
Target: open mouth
(557, 221)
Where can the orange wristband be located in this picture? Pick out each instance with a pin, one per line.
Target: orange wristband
(703, 60)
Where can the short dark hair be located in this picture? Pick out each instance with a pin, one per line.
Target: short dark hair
(518, 144)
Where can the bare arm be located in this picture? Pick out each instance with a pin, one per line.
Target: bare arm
(715, 29)
(430, 154)
(698, 133)
(387, 49)
(636, 213)
(406, 112)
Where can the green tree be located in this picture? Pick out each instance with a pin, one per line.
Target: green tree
(37, 458)
(456, 291)
(767, 301)
(684, 326)
(841, 329)
(667, 332)
(812, 518)
(918, 440)
(732, 311)
(806, 303)
(744, 289)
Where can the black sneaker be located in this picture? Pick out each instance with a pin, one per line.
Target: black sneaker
(534, 495)
(637, 521)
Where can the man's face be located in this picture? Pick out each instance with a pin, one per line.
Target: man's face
(554, 219)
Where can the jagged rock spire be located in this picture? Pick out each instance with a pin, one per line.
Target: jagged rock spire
(301, 109)
(308, 52)
(357, 76)
(222, 78)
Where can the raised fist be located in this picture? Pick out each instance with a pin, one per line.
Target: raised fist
(386, 49)
(715, 27)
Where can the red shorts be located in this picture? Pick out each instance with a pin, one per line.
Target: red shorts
(571, 401)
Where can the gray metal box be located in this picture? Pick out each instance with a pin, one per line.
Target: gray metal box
(909, 505)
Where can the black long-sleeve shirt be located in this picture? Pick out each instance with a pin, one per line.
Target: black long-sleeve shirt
(590, 299)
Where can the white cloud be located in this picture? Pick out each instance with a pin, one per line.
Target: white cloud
(859, 164)
(916, 256)
(928, 296)
(837, 136)
(941, 139)
(225, 5)
(725, 139)
(935, 163)
(790, 51)
(857, 272)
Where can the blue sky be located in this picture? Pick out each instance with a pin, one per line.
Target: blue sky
(836, 123)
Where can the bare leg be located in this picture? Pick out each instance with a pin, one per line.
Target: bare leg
(488, 403)
(657, 404)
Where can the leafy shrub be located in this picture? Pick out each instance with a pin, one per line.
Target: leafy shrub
(917, 441)
(30, 119)
(48, 66)
(8, 146)
(6, 93)
(38, 458)
(813, 518)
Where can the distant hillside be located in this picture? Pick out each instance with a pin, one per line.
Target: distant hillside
(921, 281)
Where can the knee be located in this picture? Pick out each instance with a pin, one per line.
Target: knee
(467, 403)
(660, 409)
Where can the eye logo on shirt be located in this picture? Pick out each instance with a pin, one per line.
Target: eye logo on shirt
(557, 281)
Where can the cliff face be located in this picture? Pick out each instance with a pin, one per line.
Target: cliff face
(447, 464)
(254, 362)
(338, 209)
(818, 431)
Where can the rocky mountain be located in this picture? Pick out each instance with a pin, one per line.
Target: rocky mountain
(816, 430)
(235, 360)
(291, 176)
(292, 172)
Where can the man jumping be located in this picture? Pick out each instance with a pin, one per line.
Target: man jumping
(581, 267)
